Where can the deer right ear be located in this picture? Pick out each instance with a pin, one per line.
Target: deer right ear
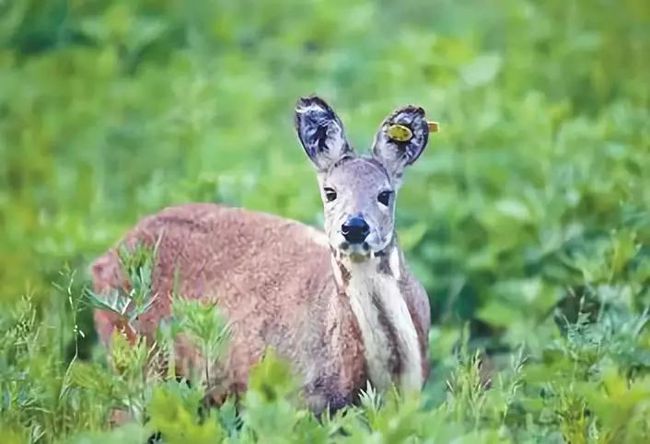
(402, 137)
(321, 132)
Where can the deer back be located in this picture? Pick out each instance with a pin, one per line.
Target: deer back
(272, 279)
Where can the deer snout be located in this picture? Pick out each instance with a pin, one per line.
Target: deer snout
(355, 230)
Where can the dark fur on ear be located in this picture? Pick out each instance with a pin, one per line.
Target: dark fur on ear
(320, 131)
(395, 155)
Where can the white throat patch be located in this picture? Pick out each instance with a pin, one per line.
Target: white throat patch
(389, 335)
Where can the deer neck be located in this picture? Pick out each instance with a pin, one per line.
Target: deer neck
(375, 295)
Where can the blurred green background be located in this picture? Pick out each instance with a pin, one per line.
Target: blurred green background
(536, 187)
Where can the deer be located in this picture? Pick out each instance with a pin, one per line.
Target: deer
(339, 305)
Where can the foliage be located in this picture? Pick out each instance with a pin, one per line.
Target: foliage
(526, 219)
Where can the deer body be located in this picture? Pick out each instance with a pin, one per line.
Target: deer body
(340, 306)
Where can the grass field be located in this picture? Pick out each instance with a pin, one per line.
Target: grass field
(527, 218)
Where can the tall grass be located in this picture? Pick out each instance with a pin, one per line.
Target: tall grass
(526, 218)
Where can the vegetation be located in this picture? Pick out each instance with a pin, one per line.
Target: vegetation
(527, 218)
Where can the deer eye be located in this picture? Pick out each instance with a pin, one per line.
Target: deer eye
(384, 197)
(330, 194)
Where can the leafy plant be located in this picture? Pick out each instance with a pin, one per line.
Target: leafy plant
(526, 219)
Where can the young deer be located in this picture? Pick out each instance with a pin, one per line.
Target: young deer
(340, 306)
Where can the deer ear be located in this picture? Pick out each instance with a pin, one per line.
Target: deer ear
(321, 132)
(402, 137)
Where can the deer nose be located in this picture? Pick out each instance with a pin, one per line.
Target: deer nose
(355, 230)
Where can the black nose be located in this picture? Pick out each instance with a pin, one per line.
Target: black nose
(355, 230)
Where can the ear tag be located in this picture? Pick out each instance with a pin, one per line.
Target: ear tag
(399, 133)
(402, 133)
(433, 127)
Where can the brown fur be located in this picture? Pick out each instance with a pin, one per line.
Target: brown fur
(271, 279)
(340, 312)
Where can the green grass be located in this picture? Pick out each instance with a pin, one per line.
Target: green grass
(527, 218)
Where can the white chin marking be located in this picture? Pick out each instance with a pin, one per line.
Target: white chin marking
(356, 253)
(358, 257)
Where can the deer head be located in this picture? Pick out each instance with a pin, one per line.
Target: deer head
(359, 191)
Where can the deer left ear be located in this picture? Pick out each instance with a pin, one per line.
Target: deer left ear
(402, 137)
(321, 132)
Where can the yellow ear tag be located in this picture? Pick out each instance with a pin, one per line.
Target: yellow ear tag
(433, 127)
(399, 133)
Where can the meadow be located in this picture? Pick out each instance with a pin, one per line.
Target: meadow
(527, 218)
